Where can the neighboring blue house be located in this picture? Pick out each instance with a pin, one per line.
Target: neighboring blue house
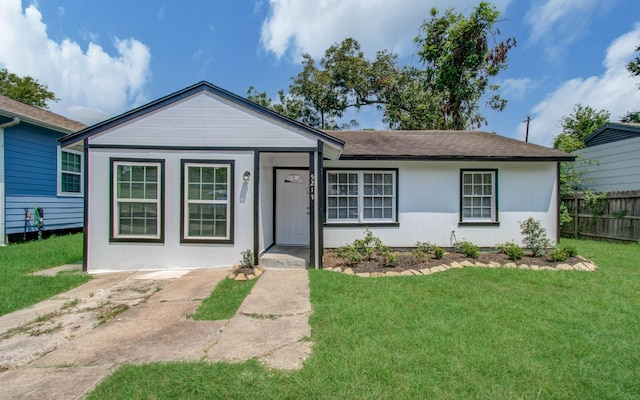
(36, 173)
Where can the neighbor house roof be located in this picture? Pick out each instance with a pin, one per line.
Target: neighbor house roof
(613, 132)
(441, 145)
(37, 116)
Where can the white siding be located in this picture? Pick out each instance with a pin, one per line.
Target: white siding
(616, 167)
(103, 255)
(204, 120)
(429, 203)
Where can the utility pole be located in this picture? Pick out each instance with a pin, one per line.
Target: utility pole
(526, 136)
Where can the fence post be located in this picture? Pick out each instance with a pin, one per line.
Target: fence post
(575, 216)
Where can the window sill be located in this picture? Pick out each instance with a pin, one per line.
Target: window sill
(206, 241)
(479, 223)
(63, 194)
(361, 224)
(136, 240)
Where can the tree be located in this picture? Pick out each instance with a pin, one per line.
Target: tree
(631, 116)
(459, 62)
(634, 65)
(577, 126)
(25, 89)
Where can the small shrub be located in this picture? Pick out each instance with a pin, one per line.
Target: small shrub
(247, 261)
(349, 252)
(363, 249)
(438, 252)
(390, 259)
(512, 250)
(535, 237)
(423, 249)
(468, 249)
(570, 250)
(557, 254)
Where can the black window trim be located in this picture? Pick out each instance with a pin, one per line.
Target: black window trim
(230, 201)
(373, 223)
(496, 221)
(161, 206)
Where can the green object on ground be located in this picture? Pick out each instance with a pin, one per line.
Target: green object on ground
(224, 300)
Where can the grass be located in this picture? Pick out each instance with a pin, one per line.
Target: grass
(467, 333)
(224, 301)
(19, 290)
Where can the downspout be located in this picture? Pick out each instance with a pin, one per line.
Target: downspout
(15, 121)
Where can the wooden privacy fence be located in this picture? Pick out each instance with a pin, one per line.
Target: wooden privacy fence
(614, 218)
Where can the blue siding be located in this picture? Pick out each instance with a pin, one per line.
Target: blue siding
(59, 212)
(30, 161)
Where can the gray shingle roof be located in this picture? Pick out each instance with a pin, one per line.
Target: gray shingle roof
(34, 115)
(442, 145)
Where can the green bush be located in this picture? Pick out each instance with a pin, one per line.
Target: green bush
(512, 250)
(557, 255)
(535, 237)
(570, 250)
(438, 252)
(423, 249)
(364, 249)
(390, 259)
(468, 249)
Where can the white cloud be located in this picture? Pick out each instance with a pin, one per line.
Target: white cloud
(614, 90)
(557, 23)
(300, 26)
(515, 88)
(91, 84)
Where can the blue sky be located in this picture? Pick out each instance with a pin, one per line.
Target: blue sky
(102, 58)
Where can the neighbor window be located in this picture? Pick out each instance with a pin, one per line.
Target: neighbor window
(478, 196)
(207, 193)
(69, 172)
(361, 196)
(137, 212)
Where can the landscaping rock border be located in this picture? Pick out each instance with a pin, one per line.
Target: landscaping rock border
(583, 266)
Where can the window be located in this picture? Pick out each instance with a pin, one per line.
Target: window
(207, 197)
(478, 192)
(361, 196)
(69, 172)
(137, 192)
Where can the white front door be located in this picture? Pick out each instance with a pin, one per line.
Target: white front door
(292, 207)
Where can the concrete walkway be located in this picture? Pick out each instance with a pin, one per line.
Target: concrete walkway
(271, 325)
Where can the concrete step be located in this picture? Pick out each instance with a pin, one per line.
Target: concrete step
(285, 258)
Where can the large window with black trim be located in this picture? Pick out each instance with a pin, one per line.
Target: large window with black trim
(361, 196)
(478, 196)
(137, 200)
(207, 201)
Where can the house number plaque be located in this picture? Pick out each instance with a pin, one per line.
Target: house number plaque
(312, 186)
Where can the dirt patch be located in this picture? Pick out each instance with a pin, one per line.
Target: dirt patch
(407, 261)
(75, 317)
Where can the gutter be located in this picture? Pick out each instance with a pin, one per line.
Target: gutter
(15, 121)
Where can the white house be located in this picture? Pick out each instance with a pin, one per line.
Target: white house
(613, 150)
(195, 178)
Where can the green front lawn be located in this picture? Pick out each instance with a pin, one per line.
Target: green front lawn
(467, 333)
(19, 290)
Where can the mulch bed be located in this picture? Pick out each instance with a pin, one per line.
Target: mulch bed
(407, 261)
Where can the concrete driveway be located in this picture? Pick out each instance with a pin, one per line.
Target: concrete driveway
(67, 362)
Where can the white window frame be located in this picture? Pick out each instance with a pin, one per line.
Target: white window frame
(60, 173)
(474, 195)
(228, 165)
(360, 196)
(116, 202)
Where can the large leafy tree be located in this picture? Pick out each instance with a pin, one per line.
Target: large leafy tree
(457, 64)
(634, 68)
(25, 89)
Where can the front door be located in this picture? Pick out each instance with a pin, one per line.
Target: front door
(292, 207)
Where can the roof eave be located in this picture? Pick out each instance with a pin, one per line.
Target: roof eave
(37, 122)
(382, 157)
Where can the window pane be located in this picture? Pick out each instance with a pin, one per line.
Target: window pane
(70, 183)
(368, 213)
(70, 162)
